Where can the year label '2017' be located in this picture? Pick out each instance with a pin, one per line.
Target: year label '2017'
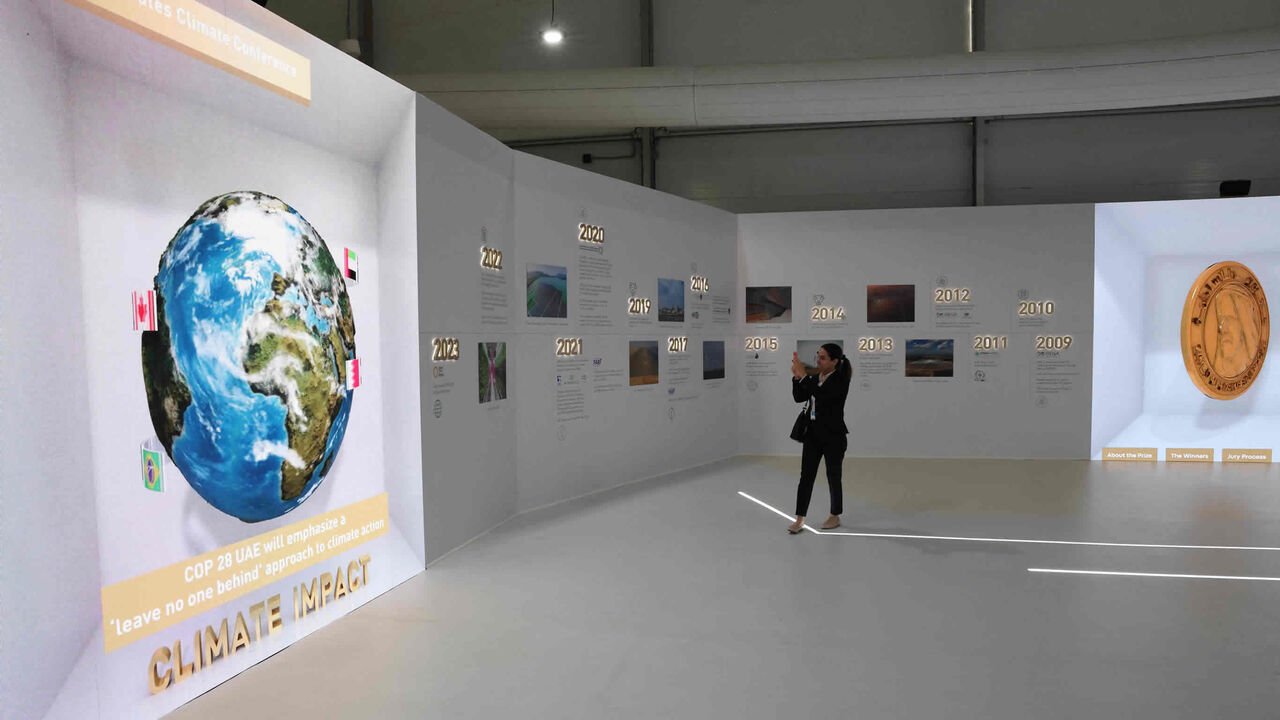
(490, 259)
(590, 234)
(677, 344)
(445, 349)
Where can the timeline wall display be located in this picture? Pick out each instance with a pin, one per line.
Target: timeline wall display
(595, 280)
(939, 350)
(768, 304)
(546, 291)
(712, 359)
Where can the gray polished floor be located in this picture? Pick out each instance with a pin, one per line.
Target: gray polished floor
(678, 597)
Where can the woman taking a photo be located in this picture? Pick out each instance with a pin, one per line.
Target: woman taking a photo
(826, 437)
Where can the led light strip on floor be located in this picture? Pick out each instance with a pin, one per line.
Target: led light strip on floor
(1152, 575)
(898, 536)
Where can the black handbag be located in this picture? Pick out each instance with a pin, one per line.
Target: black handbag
(801, 428)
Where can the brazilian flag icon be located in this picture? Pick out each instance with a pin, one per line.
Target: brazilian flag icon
(152, 470)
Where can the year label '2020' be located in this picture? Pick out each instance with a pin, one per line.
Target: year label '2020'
(590, 234)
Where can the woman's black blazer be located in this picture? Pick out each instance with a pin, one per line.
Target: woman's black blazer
(828, 400)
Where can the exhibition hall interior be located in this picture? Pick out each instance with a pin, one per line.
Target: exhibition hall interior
(874, 359)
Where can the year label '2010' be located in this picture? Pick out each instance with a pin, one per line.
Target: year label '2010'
(445, 349)
(677, 344)
(490, 259)
(568, 347)
(762, 343)
(590, 234)
(1033, 308)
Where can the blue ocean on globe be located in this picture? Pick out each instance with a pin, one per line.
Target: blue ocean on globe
(246, 373)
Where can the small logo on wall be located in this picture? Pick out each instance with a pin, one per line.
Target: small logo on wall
(437, 408)
(353, 373)
(752, 385)
(562, 432)
(349, 268)
(437, 371)
(1024, 294)
(152, 470)
(597, 361)
(1042, 401)
(942, 281)
(979, 376)
(1226, 328)
(144, 310)
(671, 413)
(671, 390)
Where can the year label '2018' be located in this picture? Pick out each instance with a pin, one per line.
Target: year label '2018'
(568, 347)
(445, 349)
(590, 234)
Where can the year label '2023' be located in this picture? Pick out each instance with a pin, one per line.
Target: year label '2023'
(445, 349)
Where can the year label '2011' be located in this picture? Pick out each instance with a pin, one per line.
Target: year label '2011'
(590, 234)
(445, 349)
(990, 342)
(490, 259)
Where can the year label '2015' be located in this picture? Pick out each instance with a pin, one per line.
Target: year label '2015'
(762, 343)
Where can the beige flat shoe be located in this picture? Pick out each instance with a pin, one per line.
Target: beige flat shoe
(796, 528)
(832, 523)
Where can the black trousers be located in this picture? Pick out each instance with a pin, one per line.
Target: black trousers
(818, 446)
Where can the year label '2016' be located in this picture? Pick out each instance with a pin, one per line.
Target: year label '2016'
(822, 313)
(950, 296)
(568, 347)
(445, 349)
(699, 284)
(677, 344)
(990, 342)
(875, 345)
(1053, 342)
(639, 306)
(590, 234)
(762, 343)
(490, 259)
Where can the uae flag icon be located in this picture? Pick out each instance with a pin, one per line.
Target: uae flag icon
(144, 310)
(353, 374)
(349, 265)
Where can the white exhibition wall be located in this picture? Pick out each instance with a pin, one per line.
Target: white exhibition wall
(1148, 256)
(1011, 401)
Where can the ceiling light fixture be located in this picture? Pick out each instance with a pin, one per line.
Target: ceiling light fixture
(552, 35)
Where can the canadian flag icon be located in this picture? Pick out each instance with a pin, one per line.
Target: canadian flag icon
(353, 374)
(144, 310)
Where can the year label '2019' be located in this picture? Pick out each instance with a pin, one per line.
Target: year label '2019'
(639, 306)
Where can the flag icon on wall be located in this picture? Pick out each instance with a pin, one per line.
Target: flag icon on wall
(353, 374)
(349, 265)
(144, 310)
(152, 470)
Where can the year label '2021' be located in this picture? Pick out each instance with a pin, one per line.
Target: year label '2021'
(568, 347)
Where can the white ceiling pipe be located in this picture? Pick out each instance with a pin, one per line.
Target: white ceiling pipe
(1213, 68)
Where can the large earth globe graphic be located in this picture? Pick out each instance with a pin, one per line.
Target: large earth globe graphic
(246, 373)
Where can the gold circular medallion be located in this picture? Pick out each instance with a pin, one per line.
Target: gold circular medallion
(1225, 330)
